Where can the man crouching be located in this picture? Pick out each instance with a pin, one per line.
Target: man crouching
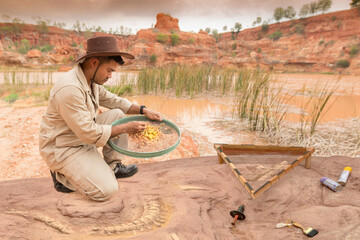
(70, 131)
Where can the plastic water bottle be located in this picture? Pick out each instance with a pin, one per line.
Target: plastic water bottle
(336, 187)
(344, 176)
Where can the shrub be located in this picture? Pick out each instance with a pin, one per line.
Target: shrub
(11, 98)
(354, 50)
(233, 54)
(174, 39)
(74, 44)
(321, 42)
(191, 40)
(161, 38)
(153, 58)
(299, 28)
(343, 63)
(333, 18)
(233, 46)
(24, 46)
(275, 35)
(259, 50)
(46, 48)
(265, 27)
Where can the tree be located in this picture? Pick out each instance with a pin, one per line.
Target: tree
(208, 30)
(216, 35)
(77, 27)
(324, 5)
(305, 10)
(18, 25)
(290, 13)
(355, 3)
(314, 8)
(278, 13)
(238, 27)
(225, 28)
(6, 17)
(257, 21)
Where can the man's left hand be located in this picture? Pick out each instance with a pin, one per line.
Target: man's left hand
(152, 115)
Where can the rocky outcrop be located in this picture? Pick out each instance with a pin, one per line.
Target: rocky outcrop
(165, 22)
(33, 53)
(314, 44)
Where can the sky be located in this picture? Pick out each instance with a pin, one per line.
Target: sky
(139, 14)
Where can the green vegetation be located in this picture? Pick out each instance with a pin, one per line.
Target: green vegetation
(354, 50)
(153, 58)
(355, 3)
(238, 27)
(278, 13)
(191, 40)
(257, 21)
(314, 7)
(275, 35)
(120, 90)
(289, 12)
(12, 97)
(233, 46)
(24, 46)
(299, 28)
(20, 83)
(162, 38)
(174, 39)
(45, 48)
(265, 27)
(343, 63)
(321, 42)
(216, 35)
(316, 103)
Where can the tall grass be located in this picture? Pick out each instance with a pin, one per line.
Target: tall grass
(185, 80)
(316, 105)
(254, 101)
(20, 82)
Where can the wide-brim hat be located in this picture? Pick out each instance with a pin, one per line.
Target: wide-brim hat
(103, 46)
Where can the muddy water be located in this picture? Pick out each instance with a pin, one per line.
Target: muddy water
(197, 115)
(343, 104)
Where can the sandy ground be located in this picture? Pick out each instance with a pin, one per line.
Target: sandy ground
(19, 154)
(186, 199)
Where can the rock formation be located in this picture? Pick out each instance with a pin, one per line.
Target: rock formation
(165, 22)
(314, 44)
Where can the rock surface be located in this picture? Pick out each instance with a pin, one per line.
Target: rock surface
(187, 199)
(314, 44)
(166, 22)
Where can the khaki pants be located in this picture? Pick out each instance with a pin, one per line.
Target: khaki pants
(90, 173)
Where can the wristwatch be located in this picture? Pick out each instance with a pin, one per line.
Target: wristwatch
(142, 109)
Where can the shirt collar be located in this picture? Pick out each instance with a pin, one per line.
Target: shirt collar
(81, 76)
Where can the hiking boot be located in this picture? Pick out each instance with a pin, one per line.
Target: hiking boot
(122, 171)
(59, 186)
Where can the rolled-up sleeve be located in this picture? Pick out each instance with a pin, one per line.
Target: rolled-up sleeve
(71, 104)
(111, 101)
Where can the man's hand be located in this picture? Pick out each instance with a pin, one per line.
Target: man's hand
(134, 127)
(152, 114)
(130, 127)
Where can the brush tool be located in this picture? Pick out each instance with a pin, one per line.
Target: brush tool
(281, 225)
(238, 214)
(310, 232)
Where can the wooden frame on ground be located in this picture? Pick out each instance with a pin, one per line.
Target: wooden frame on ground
(233, 149)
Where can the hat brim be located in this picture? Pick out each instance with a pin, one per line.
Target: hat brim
(101, 54)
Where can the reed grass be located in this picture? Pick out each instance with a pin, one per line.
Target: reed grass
(16, 83)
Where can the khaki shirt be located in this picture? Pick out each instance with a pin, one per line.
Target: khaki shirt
(68, 126)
